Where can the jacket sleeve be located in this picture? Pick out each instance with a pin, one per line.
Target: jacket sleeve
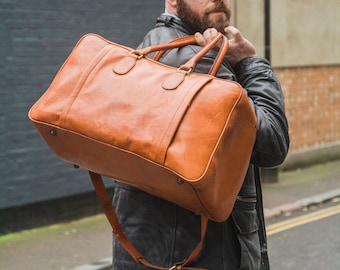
(264, 91)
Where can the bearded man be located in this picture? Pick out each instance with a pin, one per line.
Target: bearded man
(166, 233)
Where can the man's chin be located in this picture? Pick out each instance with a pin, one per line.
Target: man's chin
(218, 20)
(218, 16)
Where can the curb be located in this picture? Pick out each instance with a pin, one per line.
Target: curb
(106, 263)
(300, 204)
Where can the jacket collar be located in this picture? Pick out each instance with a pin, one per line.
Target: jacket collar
(172, 21)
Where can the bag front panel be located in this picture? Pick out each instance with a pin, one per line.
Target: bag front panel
(132, 111)
(63, 90)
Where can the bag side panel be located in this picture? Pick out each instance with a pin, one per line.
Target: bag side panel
(223, 180)
(192, 149)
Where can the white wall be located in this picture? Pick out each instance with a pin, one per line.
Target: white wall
(303, 32)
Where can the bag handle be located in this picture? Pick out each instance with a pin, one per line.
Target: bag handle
(186, 40)
(190, 40)
(123, 238)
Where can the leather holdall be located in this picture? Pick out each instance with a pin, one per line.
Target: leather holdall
(176, 134)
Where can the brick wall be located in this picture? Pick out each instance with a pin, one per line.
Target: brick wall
(35, 38)
(312, 96)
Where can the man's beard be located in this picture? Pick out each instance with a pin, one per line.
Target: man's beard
(201, 23)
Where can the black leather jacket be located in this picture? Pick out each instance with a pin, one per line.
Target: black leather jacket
(166, 233)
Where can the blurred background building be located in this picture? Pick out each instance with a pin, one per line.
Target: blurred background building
(301, 38)
(303, 47)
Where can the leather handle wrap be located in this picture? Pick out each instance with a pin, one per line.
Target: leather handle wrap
(190, 40)
(176, 43)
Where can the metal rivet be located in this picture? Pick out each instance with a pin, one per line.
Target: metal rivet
(53, 132)
(180, 181)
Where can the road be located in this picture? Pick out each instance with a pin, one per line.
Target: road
(307, 240)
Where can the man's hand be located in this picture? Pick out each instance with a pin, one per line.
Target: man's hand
(239, 47)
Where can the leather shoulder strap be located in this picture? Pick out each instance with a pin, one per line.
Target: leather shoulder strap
(123, 238)
(262, 227)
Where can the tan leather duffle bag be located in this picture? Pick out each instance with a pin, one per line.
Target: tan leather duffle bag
(176, 134)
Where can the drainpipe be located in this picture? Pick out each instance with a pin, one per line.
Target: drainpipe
(268, 175)
(267, 29)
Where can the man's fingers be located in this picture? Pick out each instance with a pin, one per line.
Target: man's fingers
(234, 32)
(210, 33)
(206, 37)
(200, 39)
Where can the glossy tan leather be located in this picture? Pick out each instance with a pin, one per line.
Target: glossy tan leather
(179, 135)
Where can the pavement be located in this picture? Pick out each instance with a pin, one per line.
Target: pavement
(86, 244)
